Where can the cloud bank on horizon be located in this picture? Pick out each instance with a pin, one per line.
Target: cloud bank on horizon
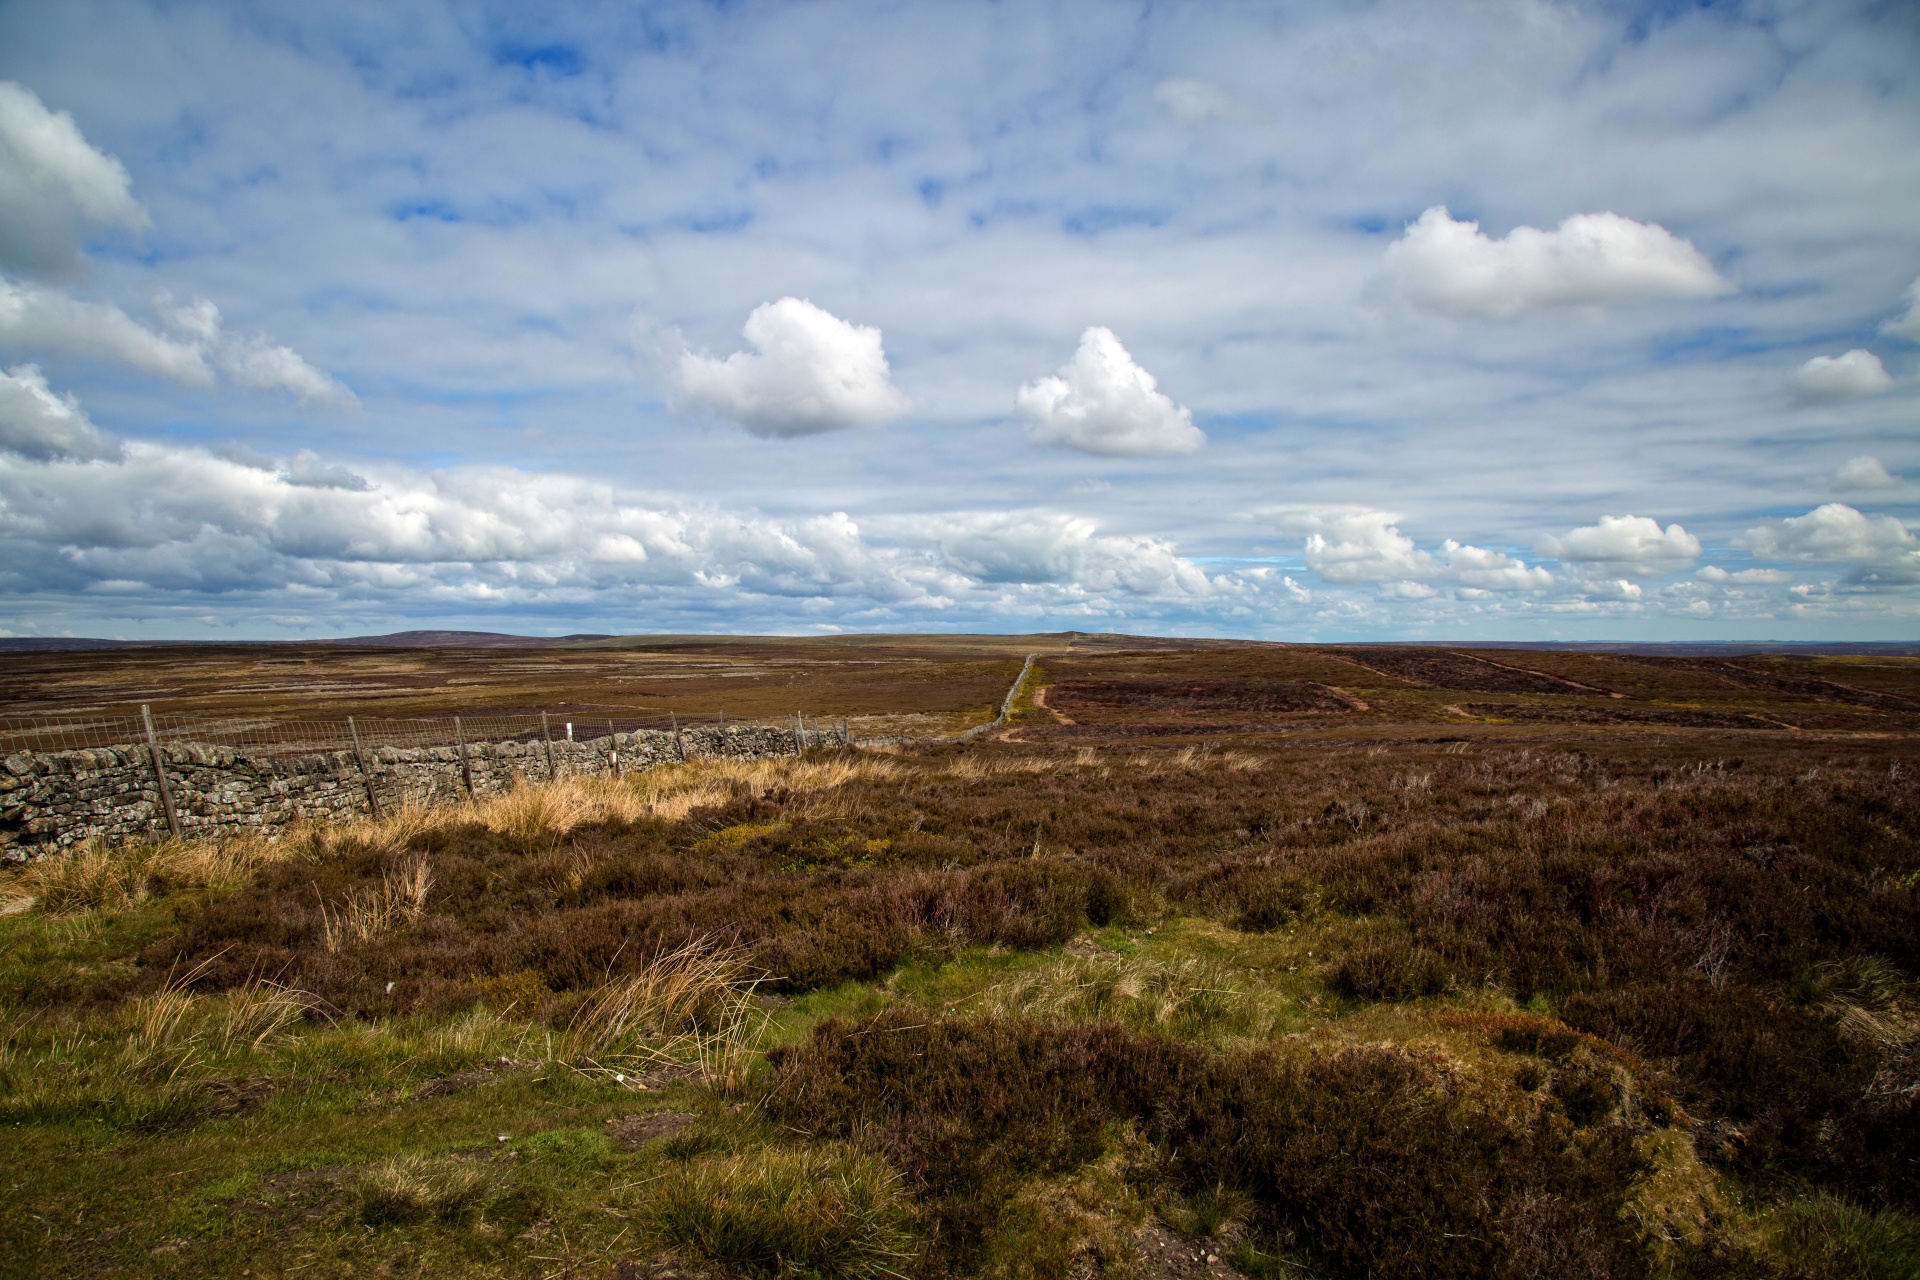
(1599, 324)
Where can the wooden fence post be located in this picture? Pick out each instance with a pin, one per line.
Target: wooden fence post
(466, 770)
(373, 801)
(613, 749)
(548, 735)
(160, 772)
(799, 733)
(678, 741)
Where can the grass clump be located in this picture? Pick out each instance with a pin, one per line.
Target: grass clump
(413, 1188)
(829, 1212)
(101, 875)
(1826, 1238)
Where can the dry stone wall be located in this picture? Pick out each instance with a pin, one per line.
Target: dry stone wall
(51, 800)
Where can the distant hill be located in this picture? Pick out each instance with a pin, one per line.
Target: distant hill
(396, 640)
(1080, 640)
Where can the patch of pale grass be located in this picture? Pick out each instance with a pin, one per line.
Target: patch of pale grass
(1192, 996)
(828, 1212)
(373, 911)
(411, 1188)
(691, 1006)
(99, 874)
(251, 1017)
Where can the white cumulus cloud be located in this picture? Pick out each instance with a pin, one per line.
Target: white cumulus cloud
(1908, 325)
(1863, 472)
(1355, 544)
(80, 510)
(1452, 268)
(809, 372)
(1844, 377)
(54, 186)
(46, 320)
(1101, 402)
(1625, 544)
(1881, 549)
(268, 366)
(43, 320)
(36, 423)
(1050, 547)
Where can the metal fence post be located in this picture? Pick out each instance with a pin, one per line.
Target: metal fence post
(547, 734)
(466, 770)
(613, 749)
(160, 772)
(373, 801)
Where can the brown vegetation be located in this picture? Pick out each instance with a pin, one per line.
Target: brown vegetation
(1584, 986)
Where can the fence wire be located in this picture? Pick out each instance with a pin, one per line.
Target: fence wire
(300, 736)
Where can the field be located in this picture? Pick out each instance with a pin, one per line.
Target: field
(1221, 960)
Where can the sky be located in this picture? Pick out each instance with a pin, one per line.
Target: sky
(1495, 320)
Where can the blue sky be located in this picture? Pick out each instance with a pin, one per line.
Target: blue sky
(1501, 320)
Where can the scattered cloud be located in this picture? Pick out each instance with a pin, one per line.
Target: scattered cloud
(1452, 268)
(1611, 589)
(1048, 547)
(1492, 570)
(1192, 101)
(54, 187)
(38, 319)
(1908, 325)
(308, 471)
(809, 372)
(1744, 577)
(267, 366)
(79, 509)
(1631, 545)
(35, 423)
(1863, 472)
(1356, 545)
(1845, 377)
(1882, 551)
(44, 320)
(1103, 403)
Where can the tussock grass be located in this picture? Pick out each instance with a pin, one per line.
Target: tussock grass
(103, 875)
(370, 911)
(1823, 1236)
(693, 1005)
(1190, 997)
(830, 1212)
(411, 1188)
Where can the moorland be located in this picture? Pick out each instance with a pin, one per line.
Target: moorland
(1214, 959)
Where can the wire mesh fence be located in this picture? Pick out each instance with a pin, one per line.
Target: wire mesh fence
(299, 735)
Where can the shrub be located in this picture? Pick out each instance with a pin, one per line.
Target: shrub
(1369, 1154)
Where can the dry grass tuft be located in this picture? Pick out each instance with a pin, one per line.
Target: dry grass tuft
(373, 911)
(412, 1188)
(691, 1006)
(1191, 997)
(826, 1212)
(99, 875)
